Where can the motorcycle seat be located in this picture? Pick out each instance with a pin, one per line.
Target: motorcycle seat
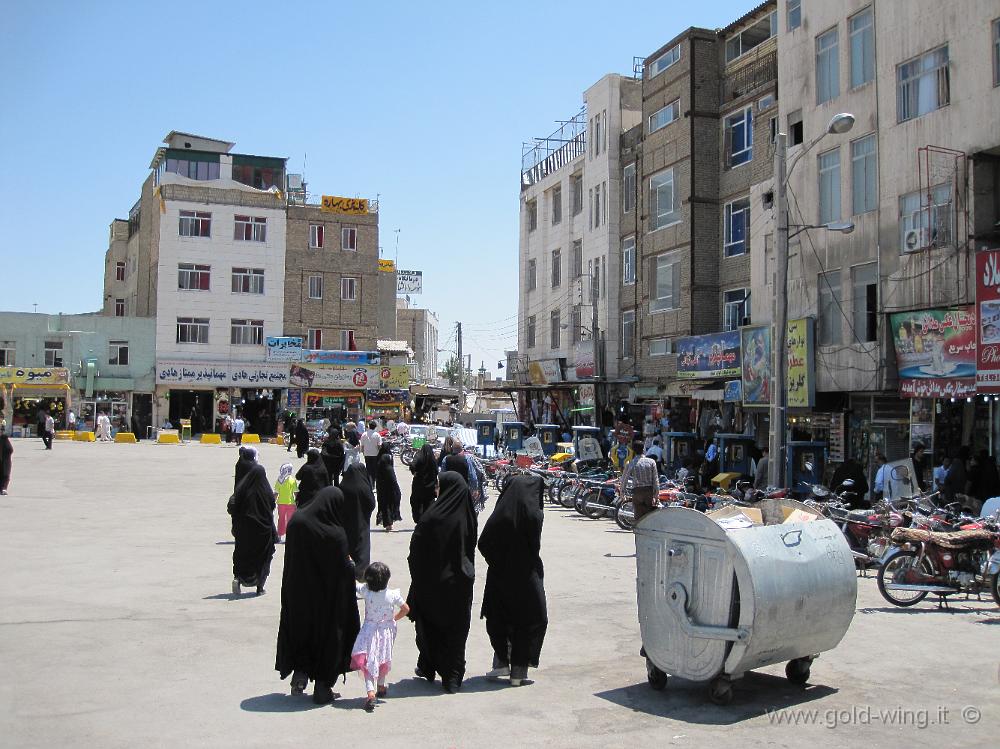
(859, 516)
(947, 540)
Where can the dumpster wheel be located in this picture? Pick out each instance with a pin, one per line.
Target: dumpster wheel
(797, 670)
(657, 679)
(720, 690)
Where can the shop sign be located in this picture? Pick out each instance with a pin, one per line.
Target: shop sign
(350, 206)
(216, 374)
(396, 377)
(800, 387)
(284, 348)
(34, 375)
(259, 375)
(988, 329)
(733, 392)
(544, 372)
(294, 399)
(936, 352)
(585, 395)
(388, 396)
(409, 282)
(585, 364)
(756, 360)
(386, 266)
(322, 356)
(707, 357)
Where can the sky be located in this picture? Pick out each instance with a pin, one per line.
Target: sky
(424, 106)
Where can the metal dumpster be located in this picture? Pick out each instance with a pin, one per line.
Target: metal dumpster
(716, 603)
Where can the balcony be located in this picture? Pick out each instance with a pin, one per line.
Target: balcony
(751, 77)
(547, 155)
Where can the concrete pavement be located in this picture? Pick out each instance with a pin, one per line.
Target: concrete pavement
(117, 629)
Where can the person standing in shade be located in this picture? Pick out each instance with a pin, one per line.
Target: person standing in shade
(919, 459)
(252, 509)
(387, 488)
(514, 599)
(881, 477)
(49, 427)
(6, 458)
(371, 442)
(312, 477)
(760, 475)
(359, 504)
(645, 481)
(425, 479)
(239, 427)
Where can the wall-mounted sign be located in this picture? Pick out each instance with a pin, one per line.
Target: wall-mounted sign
(409, 282)
(223, 374)
(386, 266)
(756, 363)
(322, 356)
(284, 348)
(34, 375)
(800, 385)
(988, 329)
(935, 352)
(585, 365)
(733, 392)
(544, 372)
(348, 377)
(351, 206)
(709, 357)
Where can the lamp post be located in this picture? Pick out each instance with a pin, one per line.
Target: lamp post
(841, 123)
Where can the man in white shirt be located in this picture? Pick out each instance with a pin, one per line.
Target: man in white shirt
(50, 430)
(71, 421)
(371, 441)
(239, 426)
(881, 477)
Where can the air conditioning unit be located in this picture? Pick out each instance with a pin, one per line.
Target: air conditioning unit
(915, 239)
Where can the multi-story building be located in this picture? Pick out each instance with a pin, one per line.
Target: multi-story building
(569, 245)
(419, 327)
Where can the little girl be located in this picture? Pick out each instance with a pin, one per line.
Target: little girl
(372, 653)
(284, 491)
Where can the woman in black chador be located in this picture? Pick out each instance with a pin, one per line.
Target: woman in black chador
(360, 504)
(386, 488)
(252, 508)
(425, 478)
(312, 477)
(333, 456)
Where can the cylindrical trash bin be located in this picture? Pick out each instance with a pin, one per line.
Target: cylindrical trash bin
(716, 602)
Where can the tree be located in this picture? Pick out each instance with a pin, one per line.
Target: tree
(450, 370)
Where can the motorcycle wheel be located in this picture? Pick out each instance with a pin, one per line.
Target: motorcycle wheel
(897, 564)
(565, 495)
(594, 513)
(994, 582)
(625, 516)
(406, 456)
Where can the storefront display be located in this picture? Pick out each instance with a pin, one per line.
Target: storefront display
(387, 404)
(936, 352)
(114, 404)
(320, 403)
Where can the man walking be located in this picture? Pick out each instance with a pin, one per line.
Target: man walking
(49, 430)
(370, 443)
(239, 426)
(645, 481)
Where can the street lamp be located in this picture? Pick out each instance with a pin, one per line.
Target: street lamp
(839, 124)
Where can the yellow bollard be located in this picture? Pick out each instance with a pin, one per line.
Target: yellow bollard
(168, 438)
(126, 438)
(211, 439)
(252, 438)
(84, 437)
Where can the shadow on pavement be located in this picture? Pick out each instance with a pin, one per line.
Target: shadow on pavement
(753, 696)
(280, 702)
(229, 596)
(225, 543)
(932, 608)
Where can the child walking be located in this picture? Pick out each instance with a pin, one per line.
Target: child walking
(372, 653)
(284, 491)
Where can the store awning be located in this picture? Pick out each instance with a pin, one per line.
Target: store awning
(714, 390)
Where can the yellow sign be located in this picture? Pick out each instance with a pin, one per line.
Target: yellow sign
(800, 386)
(386, 266)
(34, 375)
(394, 377)
(352, 206)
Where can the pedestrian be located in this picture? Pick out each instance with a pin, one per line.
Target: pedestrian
(655, 451)
(239, 426)
(984, 480)
(854, 493)
(645, 481)
(333, 456)
(227, 428)
(6, 458)
(134, 425)
(319, 614)
(312, 477)
(423, 491)
(514, 598)
(49, 431)
(284, 492)
(71, 420)
(301, 438)
(881, 476)
(252, 509)
(360, 504)
(448, 448)
(760, 475)
(919, 460)
(941, 473)
(352, 450)
(370, 443)
(104, 427)
(386, 488)
(442, 572)
(371, 655)
(955, 481)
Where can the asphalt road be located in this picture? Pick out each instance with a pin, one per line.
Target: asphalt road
(118, 629)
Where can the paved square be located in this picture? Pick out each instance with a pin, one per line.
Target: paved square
(117, 629)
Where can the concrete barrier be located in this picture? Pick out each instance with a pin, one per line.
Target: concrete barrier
(211, 439)
(84, 437)
(168, 438)
(65, 434)
(126, 437)
(279, 440)
(251, 438)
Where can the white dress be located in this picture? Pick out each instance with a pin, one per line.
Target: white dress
(372, 652)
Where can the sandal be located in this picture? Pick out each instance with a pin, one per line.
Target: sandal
(382, 691)
(370, 705)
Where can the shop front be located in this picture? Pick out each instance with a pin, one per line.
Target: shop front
(114, 404)
(346, 405)
(387, 405)
(31, 392)
(710, 360)
(331, 390)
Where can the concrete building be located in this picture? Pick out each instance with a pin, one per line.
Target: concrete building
(569, 243)
(420, 328)
(90, 363)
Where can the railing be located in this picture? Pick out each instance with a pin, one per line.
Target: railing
(751, 77)
(546, 155)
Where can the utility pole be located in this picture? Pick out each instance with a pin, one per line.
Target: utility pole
(779, 330)
(596, 341)
(461, 368)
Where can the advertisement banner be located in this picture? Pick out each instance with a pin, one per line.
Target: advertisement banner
(545, 371)
(585, 365)
(388, 396)
(409, 282)
(318, 356)
(350, 206)
(756, 355)
(988, 329)
(283, 348)
(34, 375)
(345, 377)
(935, 352)
(709, 357)
(800, 387)
(386, 266)
(733, 392)
(222, 374)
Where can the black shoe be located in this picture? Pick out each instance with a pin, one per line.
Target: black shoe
(370, 705)
(451, 685)
(422, 675)
(299, 683)
(323, 694)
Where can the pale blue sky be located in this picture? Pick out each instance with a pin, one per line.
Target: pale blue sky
(424, 105)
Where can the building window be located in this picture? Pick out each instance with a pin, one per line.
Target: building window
(922, 85)
(862, 32)
(926, 220)
(119, 307)
(734, 309)
(996, 52)
(662, 200)
(864, 288)
(529, 331)
(793, 17)
(660, 347)
(195, 224)
(261, 177)
(315, 287)
(246, 333)
(556, 198)
(595, 149)
(118, 353)
(248, 281)
(532, 207)
(595, 281)
(349, 289)
(628, 188)
(829, 186)
(554, 329)
(663, 117)
(199, 170)
(737, 218)
(532, 276)
(597, 206)
(628, 334)
(119, 271)
(577, 182)
(577, 258)
(193, 277)
(751, 37)
(347, 340)
(7, 354)
(864, 182)
(314, 338)
(628, 261)
(53, 354)
(576, 324)
(795, 130)
(827, 66)
(349, 239)
(556, 268)
(192, 330)
(665, 60)
(250, 229)
(829, 308)
(316, 232)
(739, 137)
(666, 282)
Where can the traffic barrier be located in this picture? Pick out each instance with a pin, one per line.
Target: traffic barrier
(279, 440)
(211, 439)
(168, 438)
(65, 434)
(254, 438)
(84, 437)
(126, 438)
